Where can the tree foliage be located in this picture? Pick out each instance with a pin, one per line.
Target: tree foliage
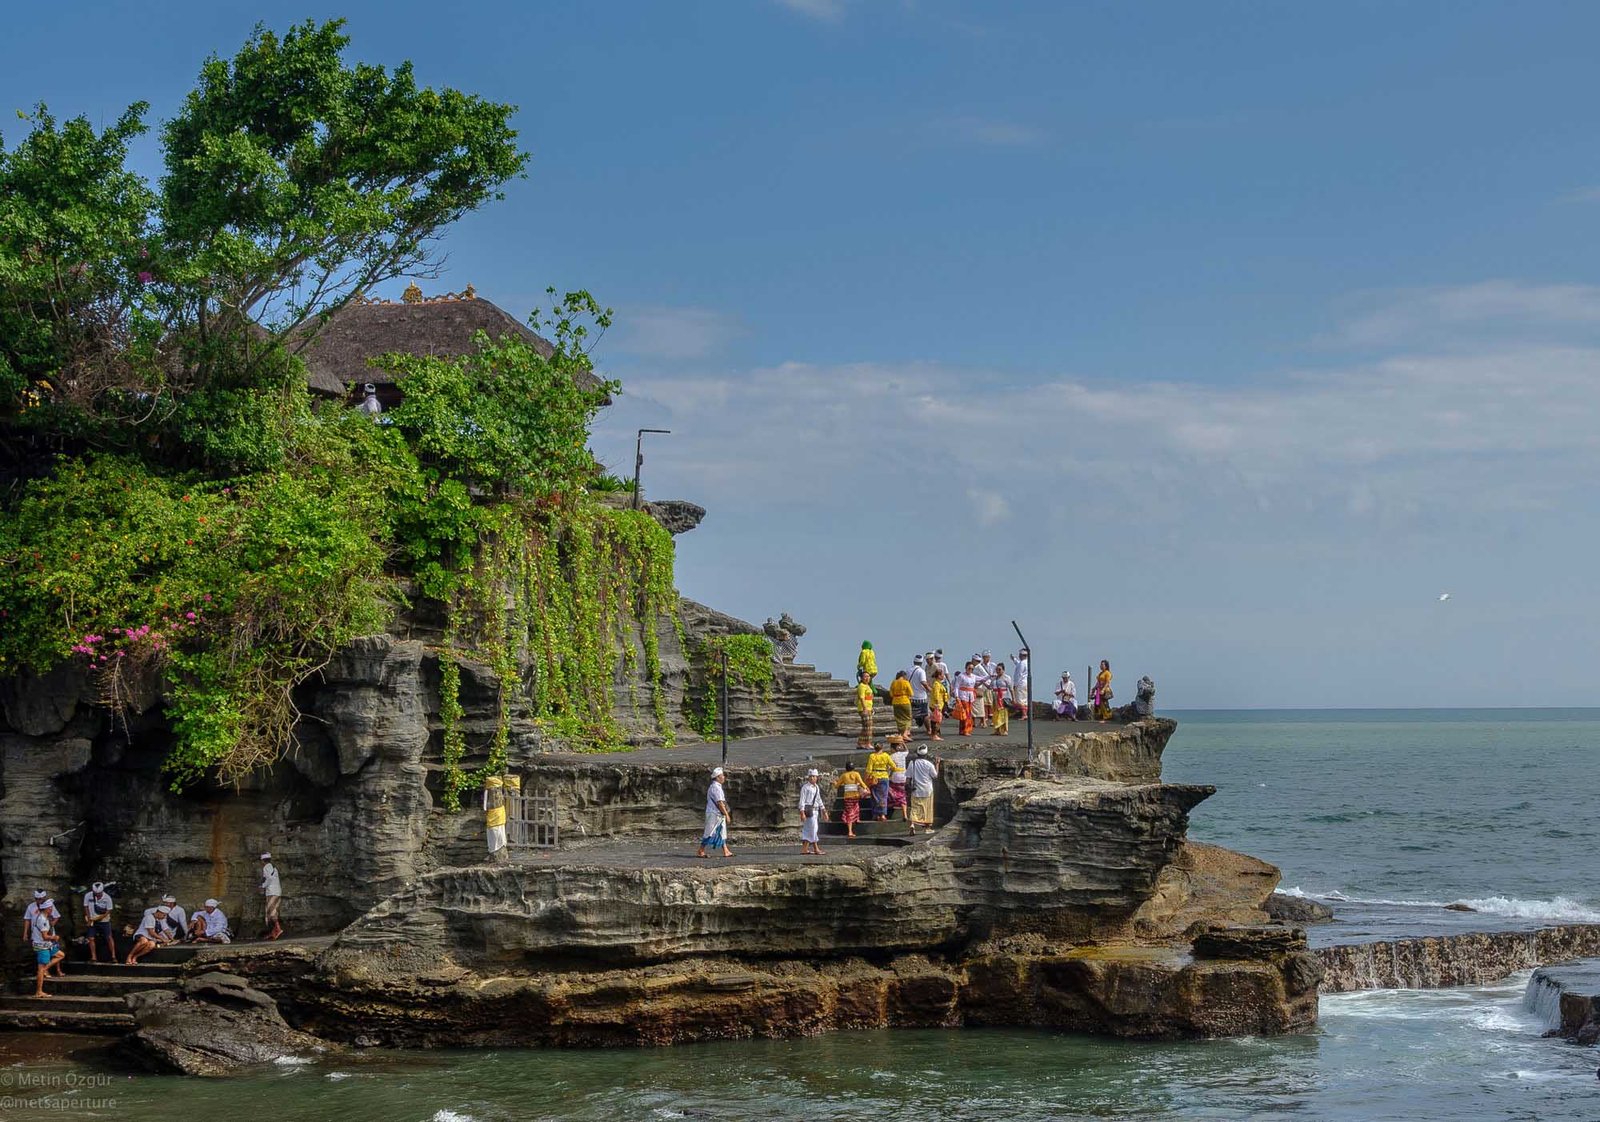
(176, 517)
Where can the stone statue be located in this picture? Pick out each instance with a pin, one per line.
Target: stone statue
(1144, 700)
(785, 635)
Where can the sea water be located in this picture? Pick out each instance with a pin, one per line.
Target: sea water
(1396, 813)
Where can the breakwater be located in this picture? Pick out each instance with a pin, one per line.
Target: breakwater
(1467, 959)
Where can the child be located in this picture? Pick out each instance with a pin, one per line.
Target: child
(851, 786)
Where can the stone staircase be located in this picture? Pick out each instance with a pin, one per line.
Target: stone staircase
(91, 998)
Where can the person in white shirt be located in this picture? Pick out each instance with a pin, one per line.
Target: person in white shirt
(46, 945)
(716, 823)
(897, 776)
(97, 908)
(920, 776)
(1020, 676)
(1066, 705)
(919, 692)
(39, 897)
(983, 709)
(177, 918)
(209, 925)
(813, 810)
(272, 889)
(940, 664)
(151, 933)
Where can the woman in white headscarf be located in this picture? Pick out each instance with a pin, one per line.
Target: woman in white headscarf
(1066, 705)
(716, 829)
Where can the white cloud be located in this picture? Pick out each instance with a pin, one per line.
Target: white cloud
(1441, 316)
(674, 334)
(827, 11)
(990, 132)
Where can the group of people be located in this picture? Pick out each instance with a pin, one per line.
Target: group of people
(159, 925)
(983, 694)
(895, 779)
(1066, 705)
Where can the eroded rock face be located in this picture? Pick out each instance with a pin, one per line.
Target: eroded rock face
(1067, 860)
(212, 1025)
(1131, 992)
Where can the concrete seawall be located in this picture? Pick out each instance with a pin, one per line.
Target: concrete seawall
(1469, 959)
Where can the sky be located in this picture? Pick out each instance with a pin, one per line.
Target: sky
(1215, 340)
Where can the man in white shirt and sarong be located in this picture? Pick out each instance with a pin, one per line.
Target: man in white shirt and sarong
(715, 834)
(919, 777)
(177, 918)
(151, 933)
(210, 925)
(813, 810)
(919, 692)
(272, 889)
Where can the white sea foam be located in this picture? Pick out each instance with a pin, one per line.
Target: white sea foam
(452, 1116)
(338, 1075)
(292, 1061)
(1562, 909)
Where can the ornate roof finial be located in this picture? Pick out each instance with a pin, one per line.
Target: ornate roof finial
(469, 292)
(412, 294)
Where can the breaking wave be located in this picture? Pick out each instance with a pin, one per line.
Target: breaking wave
(1562, 909)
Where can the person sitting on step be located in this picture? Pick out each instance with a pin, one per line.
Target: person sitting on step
(151, 933)
(177, 918)
(210, 925)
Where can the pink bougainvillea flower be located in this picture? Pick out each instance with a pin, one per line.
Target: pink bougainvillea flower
(145, 276)
(188, 615)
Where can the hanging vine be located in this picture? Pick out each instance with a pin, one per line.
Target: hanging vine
(749, 663)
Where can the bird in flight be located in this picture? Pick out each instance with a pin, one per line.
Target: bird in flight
(1443, 596)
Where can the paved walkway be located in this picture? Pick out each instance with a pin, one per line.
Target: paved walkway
(794, 748)
(760, 851)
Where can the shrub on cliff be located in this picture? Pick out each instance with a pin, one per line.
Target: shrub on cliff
(177, 517)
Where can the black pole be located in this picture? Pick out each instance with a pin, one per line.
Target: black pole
(1029, 649)
(638, 460)
(724, 708)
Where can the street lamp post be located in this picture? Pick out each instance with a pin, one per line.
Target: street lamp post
(1029, 649)
(638, 460)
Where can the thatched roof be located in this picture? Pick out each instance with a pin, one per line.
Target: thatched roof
(336, 357)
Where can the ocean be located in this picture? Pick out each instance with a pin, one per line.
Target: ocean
(1388, 815)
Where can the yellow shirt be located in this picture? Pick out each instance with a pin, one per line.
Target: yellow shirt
(851, 785)
(900, 692)
(879, 765)
(938, 694)
(864, 698)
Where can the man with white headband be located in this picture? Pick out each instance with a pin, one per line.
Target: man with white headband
(812, 811)
(151, 933)
(272, 889)
(177, 918)
(209, 925)
(920, 776)
(715, 833)
(39, 897)
(46, 944)
(97, 907)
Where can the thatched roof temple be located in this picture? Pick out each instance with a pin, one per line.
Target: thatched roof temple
(336, 357)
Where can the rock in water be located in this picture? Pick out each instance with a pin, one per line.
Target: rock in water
(1459, 908)
(211, 1025)
(1297, 909)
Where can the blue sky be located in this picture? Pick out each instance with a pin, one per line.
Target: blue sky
(1216, 340)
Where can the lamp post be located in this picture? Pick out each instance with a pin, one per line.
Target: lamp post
(638, 460)
(1029, 649)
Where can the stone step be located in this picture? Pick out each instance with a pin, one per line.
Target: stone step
(101, 985)
(153, 975)
(44, 1020)
(57, 1003)
(867, 828)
